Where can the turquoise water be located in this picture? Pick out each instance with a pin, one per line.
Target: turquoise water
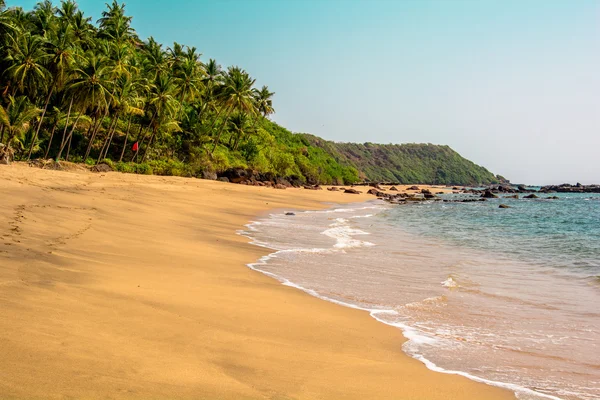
(510, 297)
(562, 234)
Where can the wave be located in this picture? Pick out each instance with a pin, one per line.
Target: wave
(343, 233)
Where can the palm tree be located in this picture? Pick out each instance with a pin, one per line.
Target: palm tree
(235, 94)
(264, 101)
(115, 25)
(27, 71)
(155, 61)
(188, 81)
(238, 125)
(16, 119)
(44, 17)
(88, 91)
(60, 60)
(164, 104)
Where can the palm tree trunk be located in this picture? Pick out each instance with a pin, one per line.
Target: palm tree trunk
(51, 137)
(62, 142)
(62, 147)
(37, 131)
(216, 119)
(126, 137)
(144, 138)
(92, 138)
(69, 147)
(181, 103)
(149, 143)
(111, 129)
(221, 130)
(1, 133)
(112, 135)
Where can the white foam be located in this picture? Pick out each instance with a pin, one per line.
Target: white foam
(344, 235)
(450, 283)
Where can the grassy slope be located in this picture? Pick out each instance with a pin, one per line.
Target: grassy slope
(407, 163)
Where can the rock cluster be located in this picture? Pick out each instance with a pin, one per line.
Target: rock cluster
(567, 188)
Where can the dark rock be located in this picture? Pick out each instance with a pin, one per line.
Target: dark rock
(413, 188)
(489, 195)
(503, 206)
(440, 193)
(429, 196)
(553, 198)
(426, 191)
(567, 188)
(514, 196)
(376, 186)
(531, 196)
(333, 189)
(352, 191)
(236, 175)
(377, 193)
(289, 213)
(102, 167)
(282, 181)
(211, 175)
(393, 188)
(223, 179)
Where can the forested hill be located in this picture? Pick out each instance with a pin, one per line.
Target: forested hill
(406, 163)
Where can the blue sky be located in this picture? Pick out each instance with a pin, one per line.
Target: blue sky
(512, 85)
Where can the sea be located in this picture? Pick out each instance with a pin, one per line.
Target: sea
(509, 297)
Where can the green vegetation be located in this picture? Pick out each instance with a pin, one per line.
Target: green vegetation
(87, 92)
(407, 163)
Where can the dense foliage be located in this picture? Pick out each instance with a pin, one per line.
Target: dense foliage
(408, 163)
(71, 89)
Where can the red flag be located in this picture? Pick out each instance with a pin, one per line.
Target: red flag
(135, 147)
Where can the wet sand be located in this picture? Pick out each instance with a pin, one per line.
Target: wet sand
(127, 286)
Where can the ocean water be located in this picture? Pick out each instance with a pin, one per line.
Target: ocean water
(510, 297)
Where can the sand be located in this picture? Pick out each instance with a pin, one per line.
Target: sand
(118, 286)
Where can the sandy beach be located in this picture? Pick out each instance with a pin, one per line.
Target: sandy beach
(120, 286)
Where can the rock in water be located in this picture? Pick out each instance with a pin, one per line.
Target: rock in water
(489, 195)
(503, 206)
(531, 196)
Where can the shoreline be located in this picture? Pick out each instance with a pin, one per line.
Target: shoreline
(89, 311)
(408, 332)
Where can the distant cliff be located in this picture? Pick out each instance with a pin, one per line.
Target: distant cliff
(407, 163)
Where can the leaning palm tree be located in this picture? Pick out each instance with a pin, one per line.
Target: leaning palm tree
(16, 120)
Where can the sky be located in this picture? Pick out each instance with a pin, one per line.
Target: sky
(511, 85)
